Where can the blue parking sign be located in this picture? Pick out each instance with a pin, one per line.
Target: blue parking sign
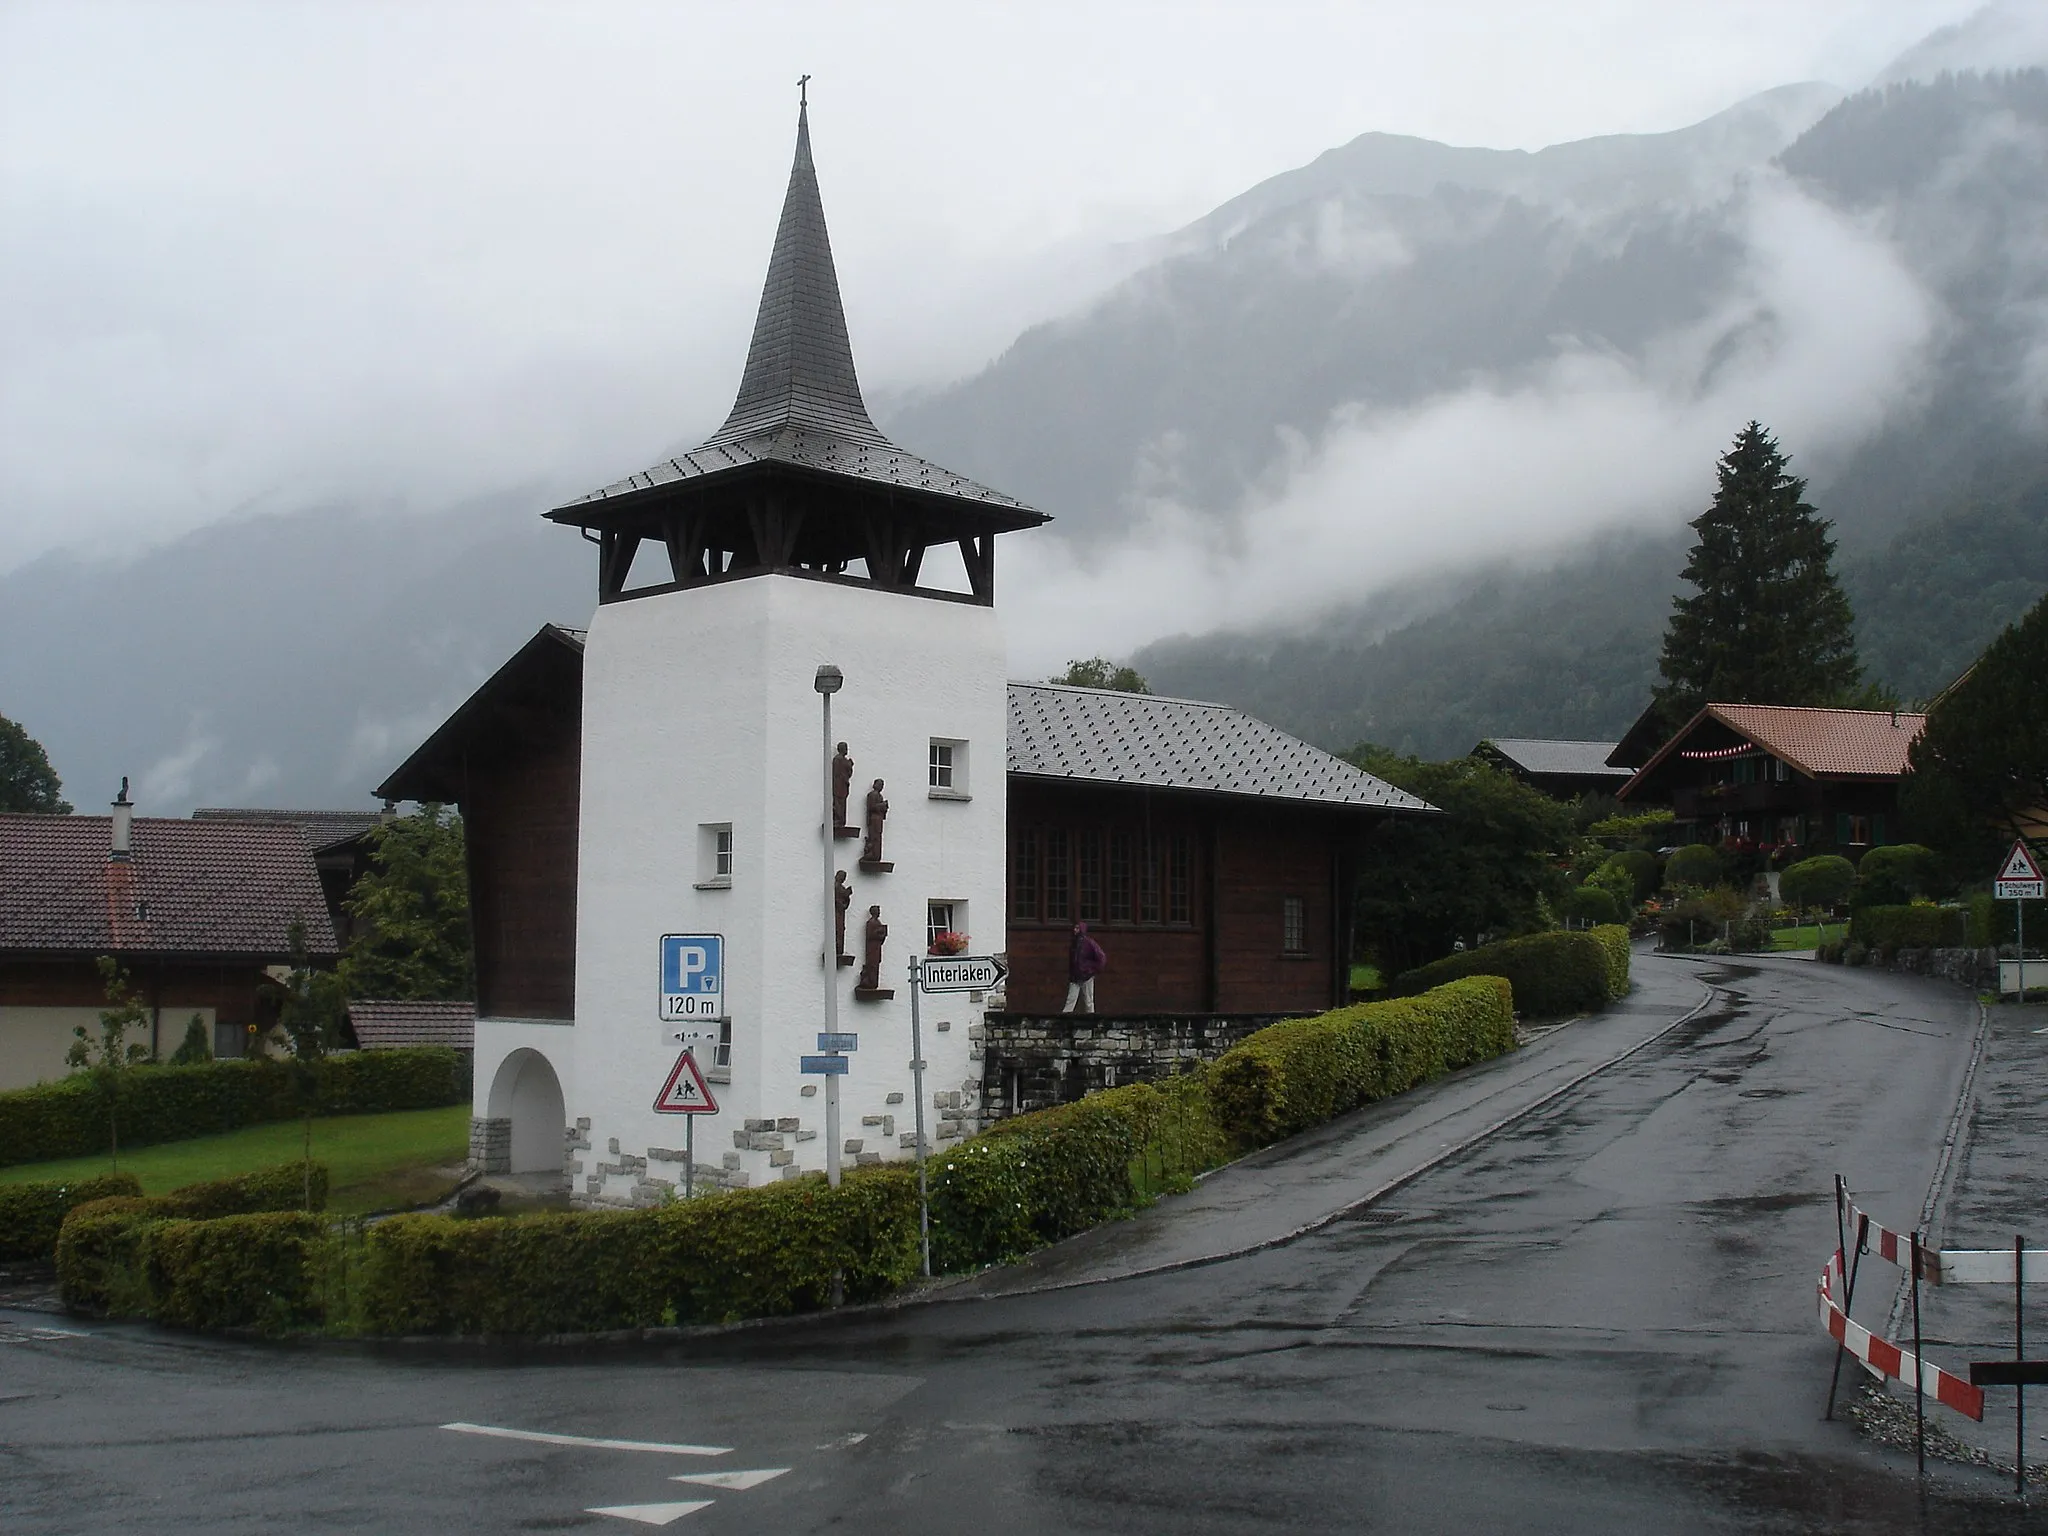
(692, 976)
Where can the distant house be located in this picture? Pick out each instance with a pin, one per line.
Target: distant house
(1213, 854)
(385, 1024)
(339, 840)
(1565, 769)
(1773, 778)
(197, 911)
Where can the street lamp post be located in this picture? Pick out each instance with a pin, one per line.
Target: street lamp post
(828, 682)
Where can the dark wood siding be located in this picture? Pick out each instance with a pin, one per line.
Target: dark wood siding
(520, 813)
(1210, 937)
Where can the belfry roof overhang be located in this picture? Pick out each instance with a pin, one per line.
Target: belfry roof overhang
(799, 416)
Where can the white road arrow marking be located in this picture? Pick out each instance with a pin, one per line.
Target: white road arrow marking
(651, 1514)
(737, 1481)
(540, 1438)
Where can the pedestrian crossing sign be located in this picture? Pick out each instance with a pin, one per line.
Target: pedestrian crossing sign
(685, 1092)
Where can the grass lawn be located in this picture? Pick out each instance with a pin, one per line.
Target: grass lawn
(1364, 978)
(374, 1162)
(1812, 936)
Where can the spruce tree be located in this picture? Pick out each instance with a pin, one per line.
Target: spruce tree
(1767, 624)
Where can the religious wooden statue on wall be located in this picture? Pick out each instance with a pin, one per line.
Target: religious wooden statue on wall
(842, 787)
(878, 812)
(869, 986)
(842, 898)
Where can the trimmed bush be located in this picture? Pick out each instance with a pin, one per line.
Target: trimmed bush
(32, 1214)
(1894, 874)
(68, 1118)
(1643, 871)
(1613, 942)
(1591, 903)
(1694, 864)
(234, 1271)
(1892, 928)
(1300, 1072)
(1552, 973)
(1821, 881)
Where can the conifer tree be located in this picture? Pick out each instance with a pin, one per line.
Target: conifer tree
(1767, 623)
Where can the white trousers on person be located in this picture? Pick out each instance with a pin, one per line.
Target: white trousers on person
(1082, 992)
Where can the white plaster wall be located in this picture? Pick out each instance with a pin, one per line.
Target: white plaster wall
(698, 707)
(33, 1042)
(498, 1038)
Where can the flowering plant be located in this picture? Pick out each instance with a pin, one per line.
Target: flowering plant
(947, 942)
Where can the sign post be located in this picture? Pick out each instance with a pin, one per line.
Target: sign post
(924, 1204)
(686, 1093)
(2020, 880)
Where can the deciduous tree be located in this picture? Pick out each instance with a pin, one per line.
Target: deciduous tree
(413, 904)
(1099, 672)
(27, 781)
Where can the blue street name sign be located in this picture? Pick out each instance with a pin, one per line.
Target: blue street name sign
(838, 1042)
(822, 1066)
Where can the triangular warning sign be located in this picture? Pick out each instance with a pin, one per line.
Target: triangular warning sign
(2019, 864)
(685, 1092)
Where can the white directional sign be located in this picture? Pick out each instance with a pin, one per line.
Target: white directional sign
(692, 976)
(2020, 879)
(962, 973)
(685, 1092)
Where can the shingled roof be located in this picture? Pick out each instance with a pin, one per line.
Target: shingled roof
(191, 889)
(323, 829)
(384, 1024)
(1100, 736)
(799, 401)
(1820, 743)
(1540, 755)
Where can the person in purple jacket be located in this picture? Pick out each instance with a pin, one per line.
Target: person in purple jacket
(1084, 960)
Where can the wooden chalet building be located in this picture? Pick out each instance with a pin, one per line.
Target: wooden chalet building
(196, 911)
(1783, 780)
(1566, 770)
(1212, 854)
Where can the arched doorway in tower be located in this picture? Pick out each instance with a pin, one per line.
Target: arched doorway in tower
(528, 1094)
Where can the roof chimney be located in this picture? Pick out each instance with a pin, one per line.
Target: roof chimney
(124, 821)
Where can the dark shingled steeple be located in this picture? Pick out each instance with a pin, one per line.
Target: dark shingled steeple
(800, 366)
(799, 402)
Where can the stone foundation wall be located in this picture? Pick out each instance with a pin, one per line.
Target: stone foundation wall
(1034, 1061)
(490, 1145)
(1975, 968)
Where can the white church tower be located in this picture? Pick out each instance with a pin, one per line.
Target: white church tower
(796, 539)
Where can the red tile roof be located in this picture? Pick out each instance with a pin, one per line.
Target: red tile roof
(382, 1024)
(1820, 743)
(189, 888)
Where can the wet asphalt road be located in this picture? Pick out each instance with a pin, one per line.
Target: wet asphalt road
(1598, 1319)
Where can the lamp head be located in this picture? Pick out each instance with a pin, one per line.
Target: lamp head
(829, 679)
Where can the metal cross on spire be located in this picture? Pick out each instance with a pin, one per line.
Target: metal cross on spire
(803, 94)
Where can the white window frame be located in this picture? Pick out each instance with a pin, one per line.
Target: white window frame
(714, 856)
(953, 769)
(956, 918)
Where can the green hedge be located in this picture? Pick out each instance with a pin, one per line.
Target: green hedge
(1916, 927)
(774, 1250)
(31, 1214)
(1552, 973)
(98, 1247)
(1300, 1072)
(1613, 941)
(68, 1118)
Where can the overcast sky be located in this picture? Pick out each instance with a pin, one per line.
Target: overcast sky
(258, 256)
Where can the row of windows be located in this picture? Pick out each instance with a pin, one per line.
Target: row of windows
(1059, 874)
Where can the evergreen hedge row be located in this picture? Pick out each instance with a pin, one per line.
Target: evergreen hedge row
(31, 1214)
(1553, 974)
(1915, 927)
(1613, 941)
(69, 1117)
(775, 1250)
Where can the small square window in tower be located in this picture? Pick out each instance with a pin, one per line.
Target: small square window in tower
(714, 856)
(1293, 926)
(947, 774)
(945, 928)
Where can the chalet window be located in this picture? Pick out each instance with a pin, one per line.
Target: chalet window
(1024, 881)
(1293, 926)
(1058, 877)
(714, 855)
(1177, 905)
(1854, 831)
(1089, 847)
(1148, 881)
(947, 770)
(1120, 877)
(948, 917)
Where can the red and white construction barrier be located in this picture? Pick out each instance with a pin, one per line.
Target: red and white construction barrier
(1941, 1266)
(1884, 1358)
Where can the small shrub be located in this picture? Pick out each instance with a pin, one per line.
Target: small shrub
(99, 1256)
(1591, 903)
(32, 1214)
(234, 1271)
(1894, 874)
(194, 1049)
(1696, 864)
(1645, 875)
(1890, 929)
(1817, 882)
(1613, 941)
(1552, 973)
